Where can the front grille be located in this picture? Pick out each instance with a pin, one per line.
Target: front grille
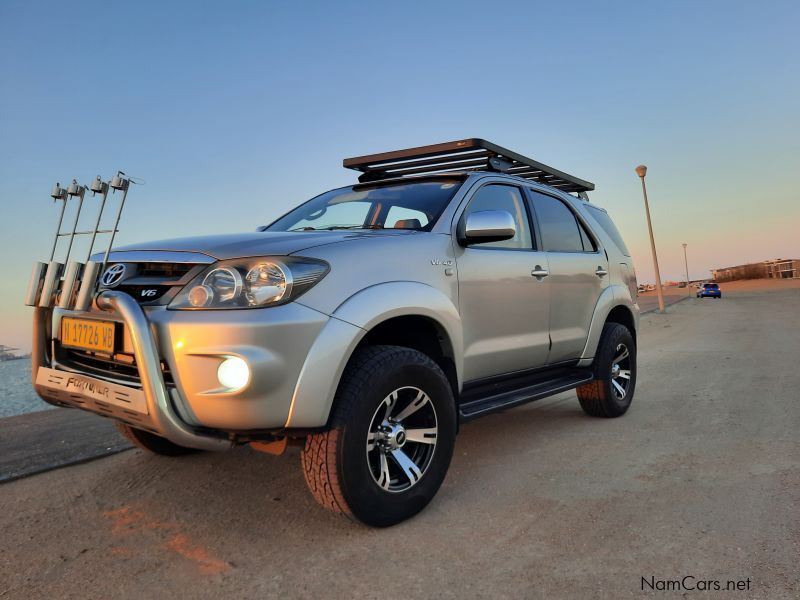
(118, 367)
(165, 270)
(155, 283)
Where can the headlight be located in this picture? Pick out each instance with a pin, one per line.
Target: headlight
(251, 283)
(225, 282)
(267, 282)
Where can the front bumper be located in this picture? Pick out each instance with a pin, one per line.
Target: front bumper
(191, 409)
(152, 408)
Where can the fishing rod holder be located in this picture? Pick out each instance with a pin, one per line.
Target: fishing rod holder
(72, 285)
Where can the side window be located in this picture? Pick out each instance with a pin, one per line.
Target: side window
(588, 244)
(608, 226)
(561, 231)
(509, 199)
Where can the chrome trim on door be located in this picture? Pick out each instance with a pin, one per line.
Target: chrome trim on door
(539, 272)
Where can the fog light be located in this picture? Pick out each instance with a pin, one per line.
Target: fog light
(233, 373)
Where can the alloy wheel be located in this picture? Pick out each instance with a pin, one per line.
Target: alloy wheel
(621, 372)
(402, 439)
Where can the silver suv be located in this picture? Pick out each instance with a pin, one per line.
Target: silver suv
(452, 281)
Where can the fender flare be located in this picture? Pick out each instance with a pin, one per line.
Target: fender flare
(612, 297)
(350, 322)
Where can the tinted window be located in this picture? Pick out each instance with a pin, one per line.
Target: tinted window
(588, 244)
(509, 199)
(712, 286)
(608, 226)
(373, 206)
(560, 230)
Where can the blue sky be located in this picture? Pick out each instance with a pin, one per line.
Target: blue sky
(232, 112)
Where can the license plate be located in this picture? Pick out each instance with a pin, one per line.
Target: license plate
(87, 334)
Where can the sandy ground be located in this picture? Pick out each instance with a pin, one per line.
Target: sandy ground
(700, 478)
(48, 439)
(747, 285)
(648, 301)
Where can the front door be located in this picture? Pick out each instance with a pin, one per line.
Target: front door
(504, 307)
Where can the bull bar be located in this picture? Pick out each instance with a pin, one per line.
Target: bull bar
(161, 414)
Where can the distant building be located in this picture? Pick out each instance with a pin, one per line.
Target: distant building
(780, 268)
(783, 268)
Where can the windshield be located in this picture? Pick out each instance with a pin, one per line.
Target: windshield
(390, 206)
(711, 286)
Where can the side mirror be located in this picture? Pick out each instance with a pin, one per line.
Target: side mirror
(486, 226)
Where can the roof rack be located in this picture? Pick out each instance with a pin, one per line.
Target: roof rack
(473, 154)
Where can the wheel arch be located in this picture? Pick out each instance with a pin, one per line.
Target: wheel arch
(398, 313)
(624, 316)
(419, 332)
(614, 305)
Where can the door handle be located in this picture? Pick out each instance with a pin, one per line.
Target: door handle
(539, 272)
(601, 272)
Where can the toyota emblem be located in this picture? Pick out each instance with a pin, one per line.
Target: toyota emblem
(113, 275)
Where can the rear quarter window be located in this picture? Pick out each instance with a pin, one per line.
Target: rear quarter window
(608, 226)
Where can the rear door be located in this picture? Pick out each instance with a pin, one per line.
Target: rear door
(578, 274)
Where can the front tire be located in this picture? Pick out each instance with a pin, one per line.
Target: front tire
(390, 439)
(611, 392)
(151, 442)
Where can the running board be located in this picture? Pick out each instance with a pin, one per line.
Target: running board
(484, 398)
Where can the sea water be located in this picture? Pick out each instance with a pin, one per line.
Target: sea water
(16, 391)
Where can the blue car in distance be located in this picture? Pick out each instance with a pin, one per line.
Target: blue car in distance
(709, 290)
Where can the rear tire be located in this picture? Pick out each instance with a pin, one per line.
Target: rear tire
(390, 439)
(152, 442)
(611, 392)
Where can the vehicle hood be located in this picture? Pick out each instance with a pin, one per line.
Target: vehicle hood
(262, 243)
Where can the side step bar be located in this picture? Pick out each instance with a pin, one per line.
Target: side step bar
(484, 398)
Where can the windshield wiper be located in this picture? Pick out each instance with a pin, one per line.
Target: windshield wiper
(338, 227)
(332, 227)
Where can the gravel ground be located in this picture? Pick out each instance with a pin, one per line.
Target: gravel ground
(701, 478)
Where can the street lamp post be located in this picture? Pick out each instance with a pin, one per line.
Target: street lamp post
(641, 171)
(686, 263)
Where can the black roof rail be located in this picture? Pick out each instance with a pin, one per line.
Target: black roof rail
(473, 154)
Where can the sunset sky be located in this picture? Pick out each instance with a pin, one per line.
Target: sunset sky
(233, 112)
